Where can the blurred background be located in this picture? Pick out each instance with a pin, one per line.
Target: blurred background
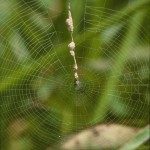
(40, 109)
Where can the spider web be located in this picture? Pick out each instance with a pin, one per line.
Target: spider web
(36, 79)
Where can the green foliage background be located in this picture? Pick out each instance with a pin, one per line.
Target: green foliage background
(33, 88)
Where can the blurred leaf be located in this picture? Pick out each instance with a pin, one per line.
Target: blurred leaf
(18, 47)
(45, 89)
(46, 3)
(100, 65)
(119, 107)
(40, 21)
(5, 11)
(77, 15)
(111, 32)
(138, 140)
(105, 101)
(126, 12)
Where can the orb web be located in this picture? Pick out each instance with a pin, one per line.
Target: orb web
(37, 78)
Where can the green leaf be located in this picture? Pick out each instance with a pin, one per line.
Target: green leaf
(110, 33)
(4, 15)
(129, 41)
(138, 140)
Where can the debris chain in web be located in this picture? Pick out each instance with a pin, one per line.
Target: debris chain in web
(69, 22)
